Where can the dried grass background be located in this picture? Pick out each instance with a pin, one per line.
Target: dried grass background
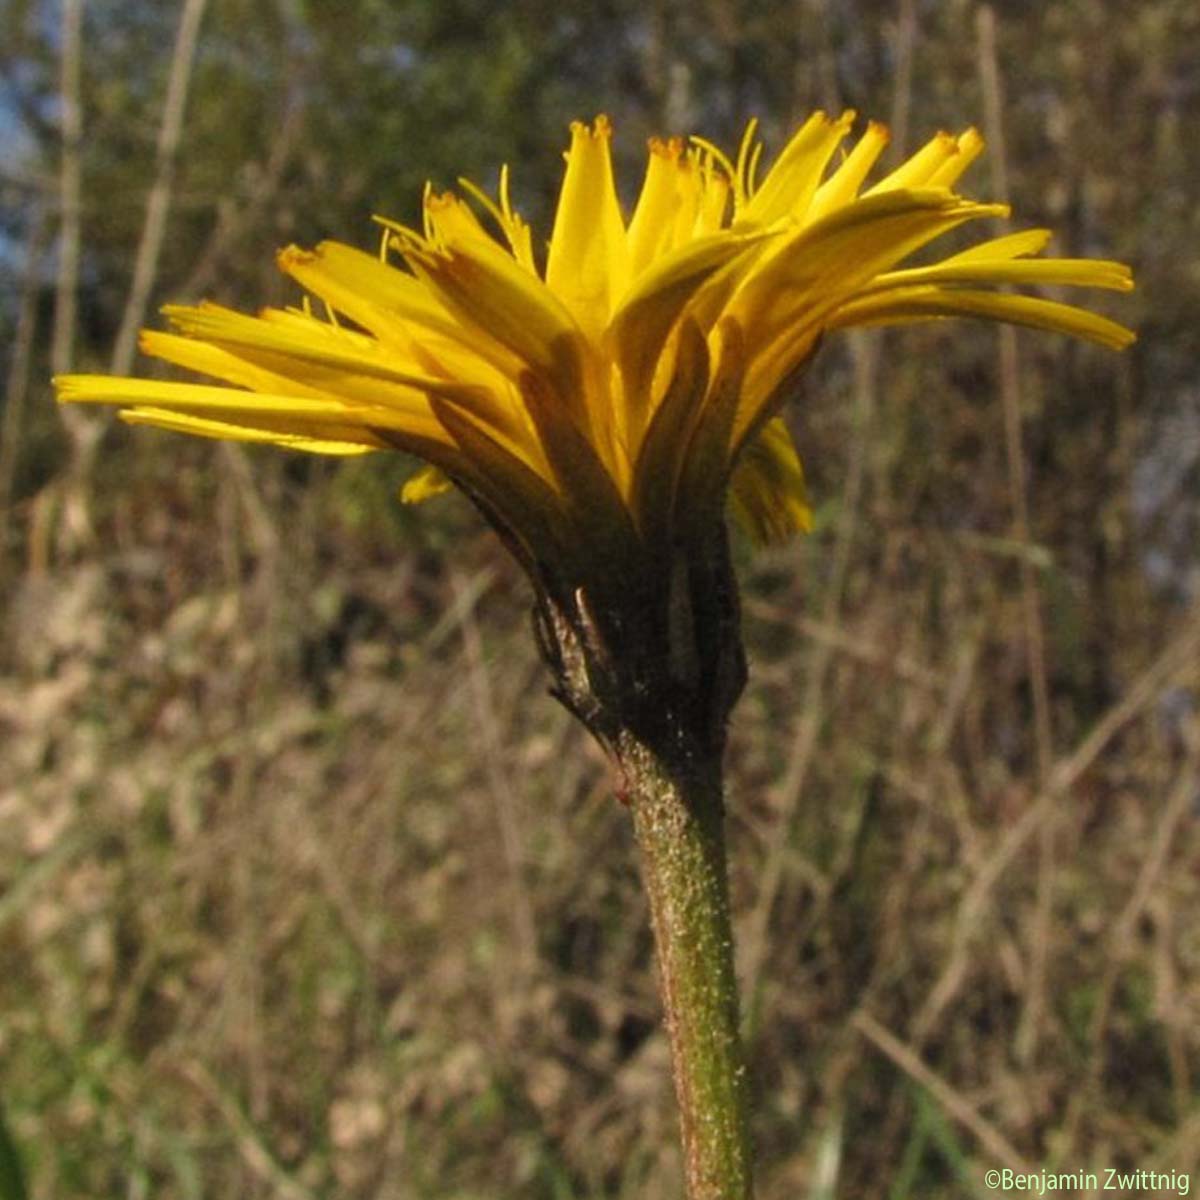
(310, 890)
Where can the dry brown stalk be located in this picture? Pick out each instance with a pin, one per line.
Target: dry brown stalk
(952, 1102)
(158, 202)
(17, 385)
(85, 429)
(252, 1147)
(505, 806)
(864, 351)
(1178, 660)
(1031, 605)
(80, 427)
(66, 297)
(1178, 805)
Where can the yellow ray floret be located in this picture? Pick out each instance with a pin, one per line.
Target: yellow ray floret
(604, 411)
(588, 265)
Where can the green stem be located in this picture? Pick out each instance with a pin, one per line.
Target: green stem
(678, 815)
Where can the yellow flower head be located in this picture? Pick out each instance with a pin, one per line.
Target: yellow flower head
(603, 410)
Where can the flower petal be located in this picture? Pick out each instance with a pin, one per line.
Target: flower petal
(308, 416)
(494, 297)
(918, 304)
(295, 353)
(710, 451)
(366, 290)
(664, 447)
(269, 431)
(843, 185)
(352, 367)
(968, 147)
(919, 170)
(839, 253)
(425, 484)
(108, 389)
(1011, 245)
(218, 362)
(786, 299)
(1061, 272)
(583, 478)
(653, 221)
(767, 493)
(588, 266)
(792, 181)
(515, 229)
(640, 326)
(528, 509)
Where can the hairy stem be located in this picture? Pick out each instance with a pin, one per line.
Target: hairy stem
(678, 814)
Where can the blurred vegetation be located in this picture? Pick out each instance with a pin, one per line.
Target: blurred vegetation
(309, 890)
